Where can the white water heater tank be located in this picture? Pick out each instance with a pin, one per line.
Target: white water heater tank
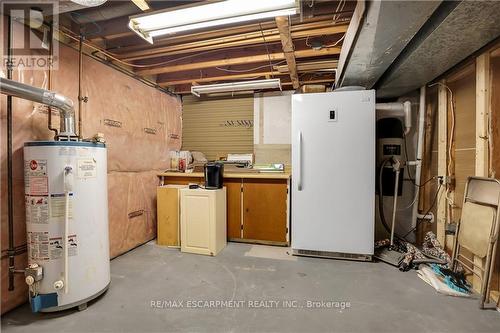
(67, 223)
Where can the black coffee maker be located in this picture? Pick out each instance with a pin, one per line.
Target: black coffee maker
(214, 173)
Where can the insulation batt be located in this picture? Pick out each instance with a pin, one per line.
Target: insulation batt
(149, 127)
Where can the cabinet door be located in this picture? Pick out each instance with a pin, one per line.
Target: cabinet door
(167, 216)
(233, 188)
(196, 222)
(265, 210)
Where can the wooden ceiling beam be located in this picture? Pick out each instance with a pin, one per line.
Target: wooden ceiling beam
(238, 61)
(227, 42)
(311, 82)
(283, 25)
(220, 78)
(310, 66)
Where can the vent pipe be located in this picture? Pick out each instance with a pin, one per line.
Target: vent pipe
(67, 130)
(396, 109)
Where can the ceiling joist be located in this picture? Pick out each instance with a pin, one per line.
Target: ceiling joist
(221, 78)
(271, 35)
(283, 25)
(238, 61)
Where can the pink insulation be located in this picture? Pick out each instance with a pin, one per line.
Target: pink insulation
(140, 124)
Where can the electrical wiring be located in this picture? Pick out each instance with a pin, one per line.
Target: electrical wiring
(336, 43)
(452, 129)
(408, 169)
(267, 49)
(323, 46)
(338, 9)
(248, 70)
(450, 202)
(409, 205)
(428, 210)
(126, 63)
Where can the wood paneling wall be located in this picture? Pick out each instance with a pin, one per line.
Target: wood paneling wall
(217, 127)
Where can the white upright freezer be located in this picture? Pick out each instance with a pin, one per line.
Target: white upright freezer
(333, 174)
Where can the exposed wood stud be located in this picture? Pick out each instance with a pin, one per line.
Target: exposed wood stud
(442, 157)
(425, 193)
(283, 25)
(482, 113)
(482, 136)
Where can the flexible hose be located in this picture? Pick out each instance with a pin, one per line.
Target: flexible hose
(381, 199)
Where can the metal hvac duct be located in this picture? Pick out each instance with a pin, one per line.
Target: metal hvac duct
(50, 98)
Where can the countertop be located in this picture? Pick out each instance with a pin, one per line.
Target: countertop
(232, 174)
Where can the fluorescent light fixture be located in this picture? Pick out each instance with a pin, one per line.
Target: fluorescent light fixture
(163, 22)
(236, 86)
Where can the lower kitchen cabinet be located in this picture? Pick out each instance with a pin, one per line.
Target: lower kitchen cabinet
(233, 187)
(258, 211)
(265, 210)
(203, 221)
(258, 206)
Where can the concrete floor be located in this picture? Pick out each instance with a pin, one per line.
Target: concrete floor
(381, 298)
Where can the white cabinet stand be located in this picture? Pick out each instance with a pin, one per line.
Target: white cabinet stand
(203, 221)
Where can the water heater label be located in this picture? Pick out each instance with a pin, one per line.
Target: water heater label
(56, 247)
(36, 181)
(37, 209)
(87, 168)
(58, 205)
(36, 167)
(38, 245)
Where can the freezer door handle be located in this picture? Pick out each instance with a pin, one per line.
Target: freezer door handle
(299, 164)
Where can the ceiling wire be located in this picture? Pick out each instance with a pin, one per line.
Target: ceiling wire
(113, 56)
(250, 69)
(267, 50)
(330, 45)
(338, 9)
(337, 42)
